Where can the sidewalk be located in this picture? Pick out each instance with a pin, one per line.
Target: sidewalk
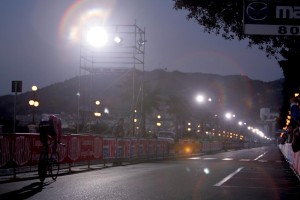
(7, 175)
(31, 173)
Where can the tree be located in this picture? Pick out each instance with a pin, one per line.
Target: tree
(147, 97)
(180, 109)
(225, 18)
(151, 101)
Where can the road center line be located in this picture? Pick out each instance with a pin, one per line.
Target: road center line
(260, 156)
(228, 177)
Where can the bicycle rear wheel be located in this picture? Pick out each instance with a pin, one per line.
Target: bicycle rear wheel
(42, 166)
(54, 167)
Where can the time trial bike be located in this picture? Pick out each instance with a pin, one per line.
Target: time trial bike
(48, 164)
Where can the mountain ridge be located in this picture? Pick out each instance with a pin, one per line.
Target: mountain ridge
(236, 92)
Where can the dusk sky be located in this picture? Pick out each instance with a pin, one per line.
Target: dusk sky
(35, 44)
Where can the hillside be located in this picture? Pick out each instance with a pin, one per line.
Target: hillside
(237, 93)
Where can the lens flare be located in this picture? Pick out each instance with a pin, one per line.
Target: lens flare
(82, 14)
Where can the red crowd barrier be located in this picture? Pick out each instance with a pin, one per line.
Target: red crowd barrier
(23, 149)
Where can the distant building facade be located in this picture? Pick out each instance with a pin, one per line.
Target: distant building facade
(268, 118)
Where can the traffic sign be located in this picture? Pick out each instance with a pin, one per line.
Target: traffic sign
(16, 86)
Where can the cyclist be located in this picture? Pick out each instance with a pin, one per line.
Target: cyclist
(50, 125)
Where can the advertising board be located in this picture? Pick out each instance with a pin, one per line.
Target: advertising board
(272, 18)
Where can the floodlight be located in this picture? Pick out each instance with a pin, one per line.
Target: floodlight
(118, 40)
(96, 36)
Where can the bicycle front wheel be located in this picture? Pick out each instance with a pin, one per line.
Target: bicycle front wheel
(54, 167)
(42, 166)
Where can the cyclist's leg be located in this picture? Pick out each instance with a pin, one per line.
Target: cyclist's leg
(44, 141)
(54, 146)
(42, 165)
(55, 167)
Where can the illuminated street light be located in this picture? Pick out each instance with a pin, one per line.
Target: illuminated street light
(229, 115)
(34, 88)
(200, 98)
(97, 113)
(158, 123)
(33, 102)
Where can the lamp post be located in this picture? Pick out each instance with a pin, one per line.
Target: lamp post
(158, 123)
(97, 113)
(33, 102)
(202, 100)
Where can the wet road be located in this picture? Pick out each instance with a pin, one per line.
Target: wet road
(259, 173)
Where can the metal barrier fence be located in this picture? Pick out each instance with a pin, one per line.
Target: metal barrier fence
(23, 149)
(292, 157)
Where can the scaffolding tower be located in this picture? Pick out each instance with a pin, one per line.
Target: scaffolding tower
(124, 52)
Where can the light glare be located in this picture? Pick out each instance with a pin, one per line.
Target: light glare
(206, 170)
(200, 98)
(96, 36)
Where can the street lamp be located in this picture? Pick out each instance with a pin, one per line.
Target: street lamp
(229, 115)
(158, 123)
(33, 102)
(97, 113)
(202, 99)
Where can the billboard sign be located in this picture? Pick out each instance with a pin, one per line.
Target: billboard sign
(271, 18)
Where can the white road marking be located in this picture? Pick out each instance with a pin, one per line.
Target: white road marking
(262, 160)
(228, 177)
(209, 158)
(227, 159)
(245, 159)
(260, 156)
(195, 158)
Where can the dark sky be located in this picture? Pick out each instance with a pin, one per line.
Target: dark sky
(35, 44)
